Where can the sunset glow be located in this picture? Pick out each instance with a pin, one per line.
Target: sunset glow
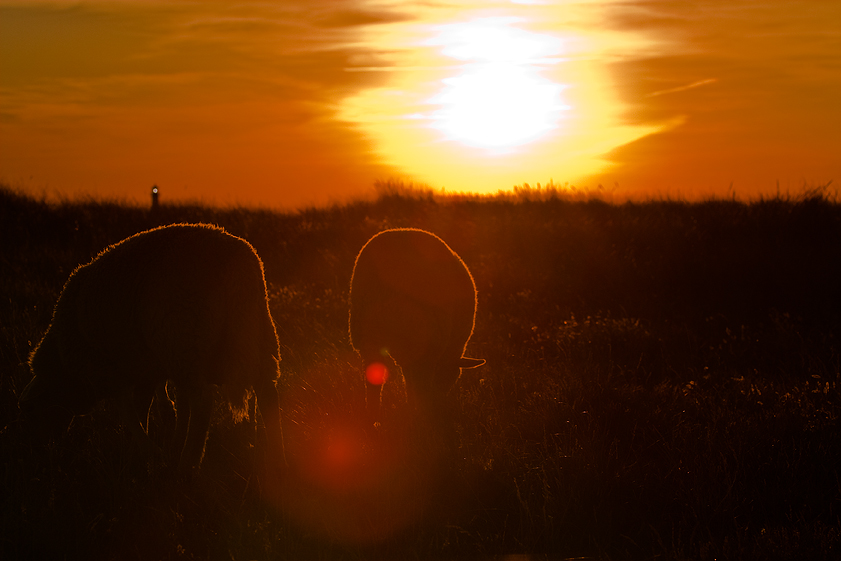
(313, 102)
(482, 100)
(499, 100)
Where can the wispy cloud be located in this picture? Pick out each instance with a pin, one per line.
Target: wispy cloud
(697, 84)
(751, 81)
(170, 84)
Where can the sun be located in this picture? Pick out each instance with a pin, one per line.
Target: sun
(484, 103)
(498, 98)
(496, 106)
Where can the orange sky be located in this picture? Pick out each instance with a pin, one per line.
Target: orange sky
(289, 103)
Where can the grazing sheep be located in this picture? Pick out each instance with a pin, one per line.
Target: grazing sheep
(184, 303)
(412, 302)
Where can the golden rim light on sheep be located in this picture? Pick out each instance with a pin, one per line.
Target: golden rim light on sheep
(413, 304)
(183, 304)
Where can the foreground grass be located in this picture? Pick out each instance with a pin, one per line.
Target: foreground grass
(662, 381)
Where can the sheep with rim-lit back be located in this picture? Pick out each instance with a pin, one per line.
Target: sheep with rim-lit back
(413, 304)
(183, 305)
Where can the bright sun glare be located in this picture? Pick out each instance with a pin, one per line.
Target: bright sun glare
(482, 103)
(499, 99)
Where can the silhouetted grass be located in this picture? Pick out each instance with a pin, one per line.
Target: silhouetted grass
(662, 381)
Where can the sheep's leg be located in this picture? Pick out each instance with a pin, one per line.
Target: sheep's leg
(162, 411)
(134, 408)
(274, 459)
(377, 373)
(144, 397)
(269, 406)
(421, 391)
(436, 408)
(135, 403)
(182, 419)
(194, 422)
(442, 415)
(373, 402)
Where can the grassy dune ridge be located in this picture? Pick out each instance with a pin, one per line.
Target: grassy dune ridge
(662, 381)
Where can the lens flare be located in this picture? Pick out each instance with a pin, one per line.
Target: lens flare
(345, 481)
(338, 459)
(376, 373)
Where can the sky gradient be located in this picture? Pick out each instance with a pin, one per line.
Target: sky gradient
(291, 103)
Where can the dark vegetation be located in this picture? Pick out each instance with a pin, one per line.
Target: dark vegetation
(662, 381)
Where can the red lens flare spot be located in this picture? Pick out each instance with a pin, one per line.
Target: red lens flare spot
(335, 460)
(340, 460)
(376, 373)
(341, 452)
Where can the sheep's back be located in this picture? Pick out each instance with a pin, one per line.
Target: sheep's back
(176, 302)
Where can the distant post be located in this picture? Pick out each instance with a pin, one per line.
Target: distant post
(154, 198)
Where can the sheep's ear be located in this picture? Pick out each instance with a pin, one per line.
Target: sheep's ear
(465, 362)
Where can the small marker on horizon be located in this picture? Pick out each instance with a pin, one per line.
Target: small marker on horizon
(154, 198)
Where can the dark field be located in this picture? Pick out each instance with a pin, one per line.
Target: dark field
(662, 382)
